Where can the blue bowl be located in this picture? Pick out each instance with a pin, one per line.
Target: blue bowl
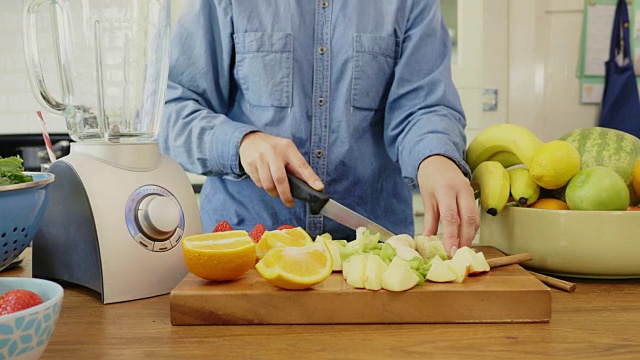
(21, 209)
(25, 334)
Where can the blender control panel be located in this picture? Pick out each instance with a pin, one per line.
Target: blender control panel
(154, 218)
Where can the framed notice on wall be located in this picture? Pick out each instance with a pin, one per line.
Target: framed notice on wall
(595, 43)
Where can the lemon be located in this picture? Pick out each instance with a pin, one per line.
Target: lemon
(219, 256)
(280, 238)
(296, 267)
(550, 204)
(554, 163)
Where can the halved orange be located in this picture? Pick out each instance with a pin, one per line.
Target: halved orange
(281, 238)
(296, 267)
(219, 256)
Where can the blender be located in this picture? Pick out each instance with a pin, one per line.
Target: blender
(118, 208)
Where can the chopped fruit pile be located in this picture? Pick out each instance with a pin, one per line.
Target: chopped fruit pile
(219, 256)
(296, 267)
(17, 300)
(290, 259)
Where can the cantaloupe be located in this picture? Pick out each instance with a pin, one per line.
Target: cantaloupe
(599, 146)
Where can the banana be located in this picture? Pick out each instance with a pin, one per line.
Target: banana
(491, 179)
(506, 158)
(502, 137)
(523, 189)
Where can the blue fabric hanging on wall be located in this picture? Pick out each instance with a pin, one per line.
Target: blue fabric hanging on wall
(620, 101)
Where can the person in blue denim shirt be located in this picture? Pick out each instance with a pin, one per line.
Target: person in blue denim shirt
(354, 97)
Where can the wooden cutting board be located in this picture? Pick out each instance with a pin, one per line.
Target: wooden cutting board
(504, 295)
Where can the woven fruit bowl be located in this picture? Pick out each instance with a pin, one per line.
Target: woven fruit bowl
(587, 244)
(24, 334)
(21, 208)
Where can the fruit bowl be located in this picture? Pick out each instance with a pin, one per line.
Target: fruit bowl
(25, 334)
(22, 208)
(587, 244)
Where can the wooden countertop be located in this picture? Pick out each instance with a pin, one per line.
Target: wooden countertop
(601, 319)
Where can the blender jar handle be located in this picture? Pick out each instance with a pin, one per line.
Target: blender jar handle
(59, 21)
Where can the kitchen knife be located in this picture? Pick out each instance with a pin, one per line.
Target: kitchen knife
(320, 203)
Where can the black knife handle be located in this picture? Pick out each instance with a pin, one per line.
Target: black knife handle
(302, 191)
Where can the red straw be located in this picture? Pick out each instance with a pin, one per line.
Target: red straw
(47, 139)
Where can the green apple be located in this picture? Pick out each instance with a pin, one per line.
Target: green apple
(373, 273)
(460, 268)
(597, 188)
(430, 246)
(399, 276)
(356, 270)
(440, 272)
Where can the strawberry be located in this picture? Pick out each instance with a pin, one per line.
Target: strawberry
(284, 227)
(256, 233)
(222, 226)
(16, 300)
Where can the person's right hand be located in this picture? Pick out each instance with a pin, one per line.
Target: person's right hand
(267, 159)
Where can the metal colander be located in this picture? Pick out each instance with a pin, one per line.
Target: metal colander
(21, 210)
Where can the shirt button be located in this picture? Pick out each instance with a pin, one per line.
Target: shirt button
(319, 153)
(324, 4)
(322, 50)
(320, 101)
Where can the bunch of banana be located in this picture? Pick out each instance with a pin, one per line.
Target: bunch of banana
(508, 144)
(498, 158)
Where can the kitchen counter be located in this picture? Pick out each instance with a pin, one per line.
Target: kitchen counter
(600, 320)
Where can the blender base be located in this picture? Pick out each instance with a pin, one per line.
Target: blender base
(89, 234)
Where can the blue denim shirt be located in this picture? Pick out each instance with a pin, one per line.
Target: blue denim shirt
(362, 87)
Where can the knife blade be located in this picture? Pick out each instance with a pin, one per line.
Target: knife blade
(320, 203)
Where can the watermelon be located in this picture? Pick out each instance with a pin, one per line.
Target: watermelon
(599, 146)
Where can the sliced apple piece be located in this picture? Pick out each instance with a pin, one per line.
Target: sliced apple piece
(430, 246)
(373, 272)
(460, 268)
(355, 270)
(402, 240)
(406, 253)
(440, 272)
(479, 264)
(399, 276)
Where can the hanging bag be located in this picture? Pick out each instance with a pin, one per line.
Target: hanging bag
(620, 101)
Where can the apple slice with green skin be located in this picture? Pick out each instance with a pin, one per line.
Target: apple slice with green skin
(373, 272)
(460, 268)
(399, 276)
(440, 272)
(430, 246)
(356, 270)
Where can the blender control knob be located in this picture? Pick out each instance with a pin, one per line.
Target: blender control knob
(158, 216)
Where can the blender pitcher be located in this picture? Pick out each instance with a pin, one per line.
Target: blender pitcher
(112, 60)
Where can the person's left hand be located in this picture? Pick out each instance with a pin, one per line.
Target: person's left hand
(447, 195)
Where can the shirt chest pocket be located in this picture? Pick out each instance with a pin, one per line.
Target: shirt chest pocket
(264, 66)
(374, 61)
